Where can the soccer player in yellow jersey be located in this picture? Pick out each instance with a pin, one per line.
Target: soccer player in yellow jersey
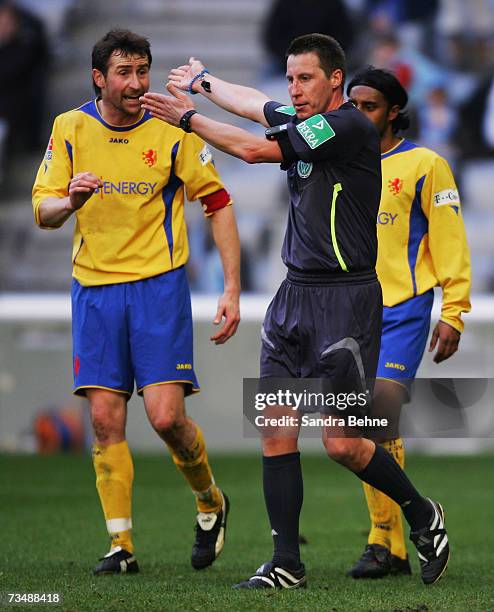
(422, 244)
(123, 176)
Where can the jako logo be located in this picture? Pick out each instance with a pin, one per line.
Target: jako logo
(184, 366)
(119, 140)
(396, 366)
(126, 188)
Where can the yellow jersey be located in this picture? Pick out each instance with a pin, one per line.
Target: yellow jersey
(133, 227)
(421, 235)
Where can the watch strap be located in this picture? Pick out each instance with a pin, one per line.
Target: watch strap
(185, 120)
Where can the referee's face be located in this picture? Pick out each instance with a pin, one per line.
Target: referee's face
(310, 89)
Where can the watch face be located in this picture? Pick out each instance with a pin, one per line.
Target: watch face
(206, 85)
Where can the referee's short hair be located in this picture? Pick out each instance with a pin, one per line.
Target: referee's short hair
(328, 50)
(118, 40)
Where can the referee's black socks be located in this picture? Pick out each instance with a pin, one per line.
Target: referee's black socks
(283, 494)
(384, 473)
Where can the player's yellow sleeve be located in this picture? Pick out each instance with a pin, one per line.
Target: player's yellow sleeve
(55, 171)
(447, 241)
(194, 166)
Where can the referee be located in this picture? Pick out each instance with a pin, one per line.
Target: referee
(325, 320)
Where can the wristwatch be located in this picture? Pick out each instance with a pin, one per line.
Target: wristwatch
(185, 121)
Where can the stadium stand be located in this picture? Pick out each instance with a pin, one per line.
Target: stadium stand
(226, 35)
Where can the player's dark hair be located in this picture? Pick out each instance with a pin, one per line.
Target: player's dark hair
(385, 82)
(124, 41)
(328, 50)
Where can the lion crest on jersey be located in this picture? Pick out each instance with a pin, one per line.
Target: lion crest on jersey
(150, 157)
(395, 185)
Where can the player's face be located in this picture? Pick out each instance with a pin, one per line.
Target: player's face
(375, 107)
(127, 79)
(310, 89)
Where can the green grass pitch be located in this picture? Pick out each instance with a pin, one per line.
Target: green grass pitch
(52, 533)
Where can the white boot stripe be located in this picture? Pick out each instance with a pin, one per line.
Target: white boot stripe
(437, 518)
(422, 557)
(442, 545)
(284, 584)
(264, 579)
(220, 541)
(282, 572)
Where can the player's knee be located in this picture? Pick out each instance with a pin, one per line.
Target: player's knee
(168, 422)
(107, 421)
(342, 450)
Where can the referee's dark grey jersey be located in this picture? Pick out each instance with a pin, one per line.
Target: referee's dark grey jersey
(333, 165)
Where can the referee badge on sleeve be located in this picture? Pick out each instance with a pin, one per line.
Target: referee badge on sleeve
(315, 131)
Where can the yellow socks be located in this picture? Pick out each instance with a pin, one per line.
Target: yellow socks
(385, 514)
(194, 465)
(114, 477)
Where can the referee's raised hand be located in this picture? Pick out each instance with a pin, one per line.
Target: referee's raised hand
(167, 108)
(182, 76)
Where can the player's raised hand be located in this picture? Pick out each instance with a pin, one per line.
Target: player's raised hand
(181, 76)
(167, 108)
(446, 338)
(229, 309)
(81, 188)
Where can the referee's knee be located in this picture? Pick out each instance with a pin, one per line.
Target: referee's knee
(343, 450)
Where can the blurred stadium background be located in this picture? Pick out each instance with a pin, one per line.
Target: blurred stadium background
(442, 50)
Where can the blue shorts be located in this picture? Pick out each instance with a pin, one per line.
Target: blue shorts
(138, 331)
(404, 336)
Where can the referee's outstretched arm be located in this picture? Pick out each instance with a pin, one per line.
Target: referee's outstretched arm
(242, 101)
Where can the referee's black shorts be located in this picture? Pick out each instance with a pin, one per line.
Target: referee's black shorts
(323, 328)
